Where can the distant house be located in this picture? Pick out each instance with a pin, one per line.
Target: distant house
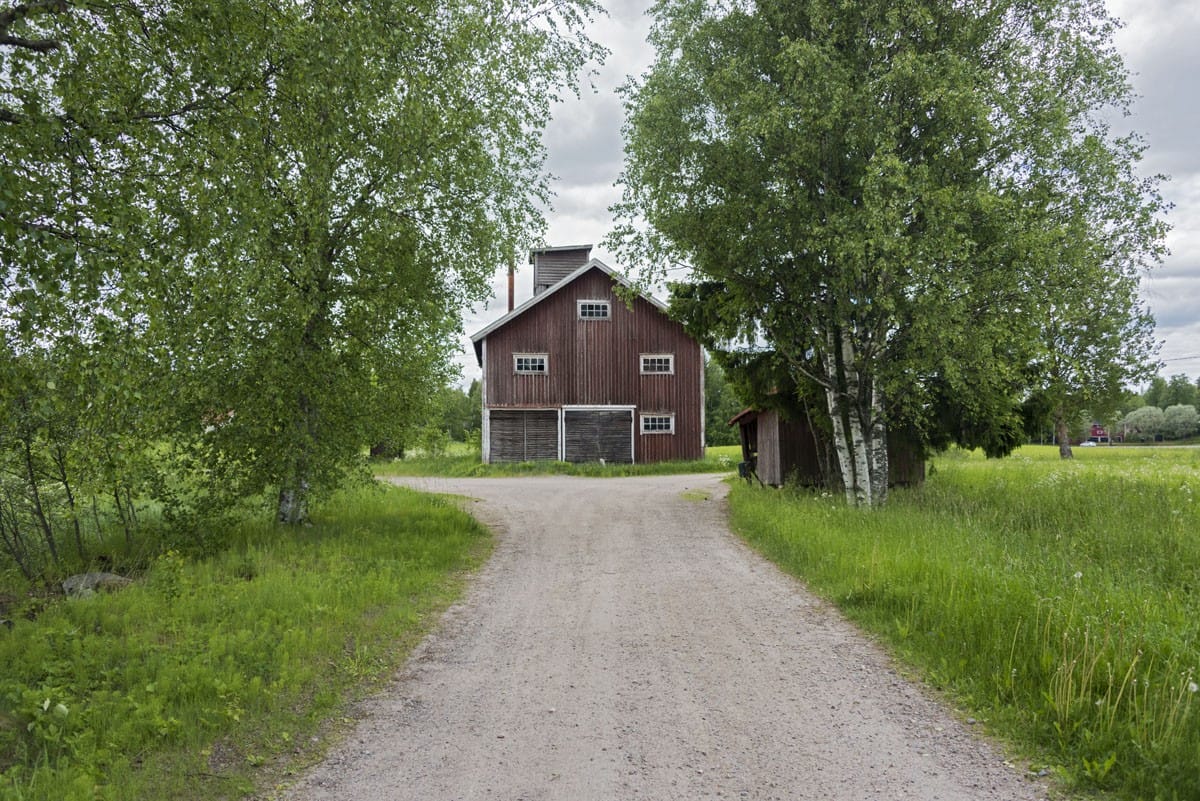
(574, 374)
(781, 449)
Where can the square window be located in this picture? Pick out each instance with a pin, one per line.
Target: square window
(594, 309)
(658, 424)
(658, 364)
(530, 363)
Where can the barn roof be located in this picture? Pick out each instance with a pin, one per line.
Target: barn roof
(592, 264)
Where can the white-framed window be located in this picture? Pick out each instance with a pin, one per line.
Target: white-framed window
(594, 309)
(658, 424)
(658, 364)
(530, 363)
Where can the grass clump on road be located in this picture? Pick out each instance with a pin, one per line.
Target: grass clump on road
(206, 676)
(1060, 601)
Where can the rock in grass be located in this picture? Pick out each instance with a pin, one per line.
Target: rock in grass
(85, 585)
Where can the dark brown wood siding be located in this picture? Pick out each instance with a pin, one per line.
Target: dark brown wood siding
(597, 363)
(593, 435)
(523, 435)
(906, 467)
(769, 469)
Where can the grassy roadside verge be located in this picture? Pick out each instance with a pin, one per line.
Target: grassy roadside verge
(206, 678)
(1059, 602)
(466, 464)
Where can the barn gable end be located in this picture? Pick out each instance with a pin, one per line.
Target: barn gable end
(625, 383)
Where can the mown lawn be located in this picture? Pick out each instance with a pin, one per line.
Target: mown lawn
(464, 462)
(1057, 601)
(210, 676)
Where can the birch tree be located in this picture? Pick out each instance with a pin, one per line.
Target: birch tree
(870, 185)
(280, 208)
(387, 161)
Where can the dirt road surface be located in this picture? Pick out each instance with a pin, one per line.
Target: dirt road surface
(623, 644)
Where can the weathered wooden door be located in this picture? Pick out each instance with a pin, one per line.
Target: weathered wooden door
(523, 435)
(590, 435)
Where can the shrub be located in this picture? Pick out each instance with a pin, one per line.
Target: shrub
(1180, 421)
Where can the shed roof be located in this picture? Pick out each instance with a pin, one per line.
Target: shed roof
(745, 414)
(592, 264)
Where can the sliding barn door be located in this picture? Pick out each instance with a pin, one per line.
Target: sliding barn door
(590, 435)
(523, 435)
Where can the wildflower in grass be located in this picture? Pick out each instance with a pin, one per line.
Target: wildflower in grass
(1078, 575)
(1193, 687)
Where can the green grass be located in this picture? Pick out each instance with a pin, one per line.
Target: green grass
(1058, 601)
(208, 677)
(466, 464)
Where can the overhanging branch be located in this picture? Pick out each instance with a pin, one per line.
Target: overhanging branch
(23, 11)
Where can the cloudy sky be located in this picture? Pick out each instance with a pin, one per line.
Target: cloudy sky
(1159, 45)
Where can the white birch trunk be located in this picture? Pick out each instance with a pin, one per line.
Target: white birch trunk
(840, 444)
(879, 454)
(860, 431)
(862, 460)
(849, 437)
(293, 504)
(859, 434)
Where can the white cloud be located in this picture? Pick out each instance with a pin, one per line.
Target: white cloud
(585, 152)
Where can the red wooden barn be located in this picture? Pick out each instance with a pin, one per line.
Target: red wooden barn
(574, 374)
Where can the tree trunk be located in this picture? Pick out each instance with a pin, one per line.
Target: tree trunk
(877, 438)
(122, 516)
(294, 488)
(834, 391)
(859, 438)
(35, 497)
(1063, 434)
(11, 538)
(60, 461)
(293, 503)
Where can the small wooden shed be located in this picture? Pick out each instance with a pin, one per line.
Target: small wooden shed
(782, 450)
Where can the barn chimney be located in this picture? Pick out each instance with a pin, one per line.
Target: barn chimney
(512, 269)
(551, 265)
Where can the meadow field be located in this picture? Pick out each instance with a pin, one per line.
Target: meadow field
(1058, 603)
(213, 674)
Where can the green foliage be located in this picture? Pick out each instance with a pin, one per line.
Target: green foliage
(1180, 391)
(71, 468)
(1144, 424)
(1055, 600)
(721, 403)
(252, 225)
(907, 203)
(459, 413)
(1148, 423)
(1156, 393)
(214, 666)
(1180, 421)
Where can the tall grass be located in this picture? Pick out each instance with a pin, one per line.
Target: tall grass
(1060, 601)
(195, 679)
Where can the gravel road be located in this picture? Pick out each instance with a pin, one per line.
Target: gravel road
(623, 644)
